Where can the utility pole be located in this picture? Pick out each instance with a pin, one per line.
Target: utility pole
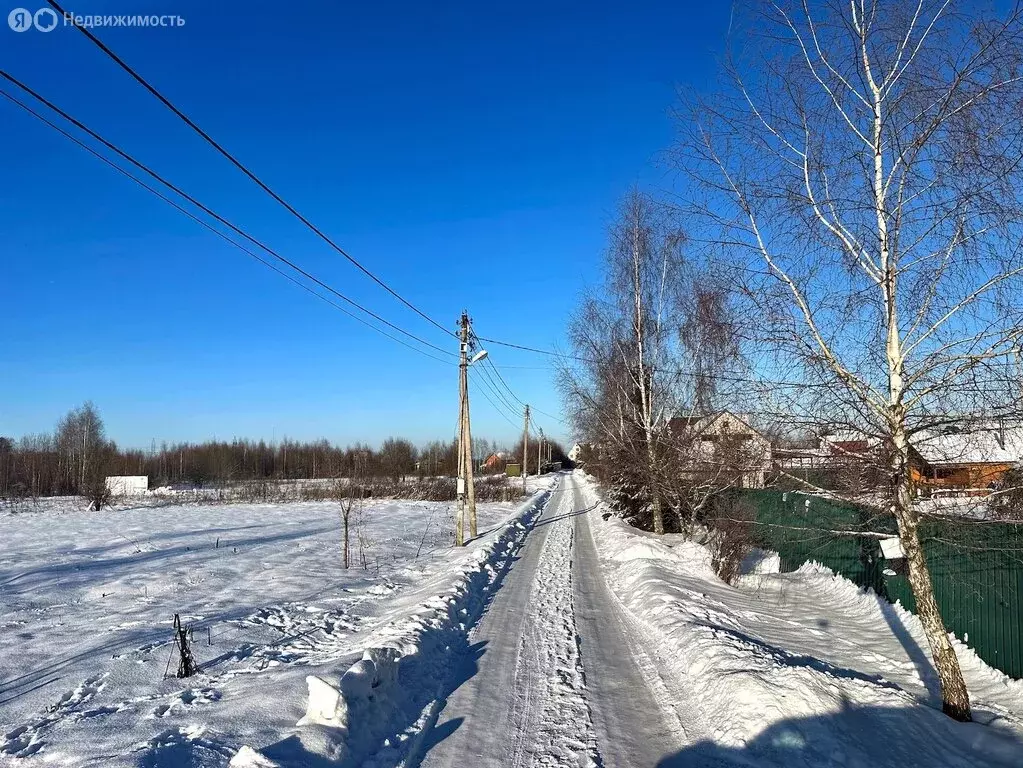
(466, 490)
(525, 448)
(539, 452)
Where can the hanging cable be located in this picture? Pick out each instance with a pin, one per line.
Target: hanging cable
(240, 166)
(211, 228)
(81, 126)
(495, 406)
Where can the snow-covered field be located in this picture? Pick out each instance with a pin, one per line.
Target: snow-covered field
(87, 600)
(556, 638)
(799, 669)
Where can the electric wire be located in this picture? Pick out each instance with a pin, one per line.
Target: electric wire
(240, 166)
(500, 395)
(141, 166)
(490, 362)
(538, 351)
(495, 406)
(497, 392)
(510, 391)
(210, 227)
(482, 380)
(727, 377)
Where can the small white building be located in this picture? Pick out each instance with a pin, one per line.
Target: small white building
(128, 485)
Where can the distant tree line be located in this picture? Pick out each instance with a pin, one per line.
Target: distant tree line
(77, 456)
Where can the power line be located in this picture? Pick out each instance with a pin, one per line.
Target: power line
(511, 391)
(497, 391)
(499, 376)
(483, 377)
(211, 228)
(732, 378)
(551, 416)
(141, 166)
(534, 349)
(495, 406)
(505, 383)
(504, 404)
(238, 164)
(519, 400)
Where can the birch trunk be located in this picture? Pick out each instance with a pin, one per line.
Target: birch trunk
(645, 395)
(955, 698)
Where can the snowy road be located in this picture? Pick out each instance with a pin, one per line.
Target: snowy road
(552, 675)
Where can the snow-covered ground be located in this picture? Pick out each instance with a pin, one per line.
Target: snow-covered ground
(557, 638)
(800, 668)
(87, 600)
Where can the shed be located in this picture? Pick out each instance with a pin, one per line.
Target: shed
(128, 485)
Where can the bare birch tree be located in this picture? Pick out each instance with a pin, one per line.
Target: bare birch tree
(863, 164)
(648, 347)
(622, 393)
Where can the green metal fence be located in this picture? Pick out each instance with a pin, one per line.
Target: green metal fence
(977, 568)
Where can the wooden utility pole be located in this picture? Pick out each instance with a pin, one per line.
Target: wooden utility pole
(539, 452)
(466, 490)
(525, 448)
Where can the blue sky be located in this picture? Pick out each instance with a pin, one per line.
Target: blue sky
(471, 155)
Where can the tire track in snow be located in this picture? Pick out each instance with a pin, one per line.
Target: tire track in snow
(554, 725)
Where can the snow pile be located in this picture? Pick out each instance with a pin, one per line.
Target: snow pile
(800, 668)
(386, 696)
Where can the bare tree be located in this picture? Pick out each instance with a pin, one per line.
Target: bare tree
(348, 492)
(621, 393)
(397, 458)
(647, 350)
(81, 439)
(862, 166)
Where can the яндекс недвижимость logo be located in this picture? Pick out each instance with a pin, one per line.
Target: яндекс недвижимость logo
(47, 19)
(22, 19)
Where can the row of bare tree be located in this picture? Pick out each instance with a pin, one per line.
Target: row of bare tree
(78, 456)
(844, 247)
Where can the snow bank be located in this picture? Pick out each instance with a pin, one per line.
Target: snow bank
(384, 696)
(801, 668)
(759, 562)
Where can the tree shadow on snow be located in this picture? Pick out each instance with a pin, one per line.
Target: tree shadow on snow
(878, 737)
(918, 655)
(84, 572)
(786, 658)
(565, 516)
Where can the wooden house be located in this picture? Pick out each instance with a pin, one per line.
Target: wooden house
(969, 461)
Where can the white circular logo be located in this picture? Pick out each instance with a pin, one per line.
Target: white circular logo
(20, 20)
(45, 20)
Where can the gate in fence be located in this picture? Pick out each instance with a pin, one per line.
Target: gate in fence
(977, 567)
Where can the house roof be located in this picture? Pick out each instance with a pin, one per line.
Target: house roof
(848, 436)
(703, 422)
(986, 445)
